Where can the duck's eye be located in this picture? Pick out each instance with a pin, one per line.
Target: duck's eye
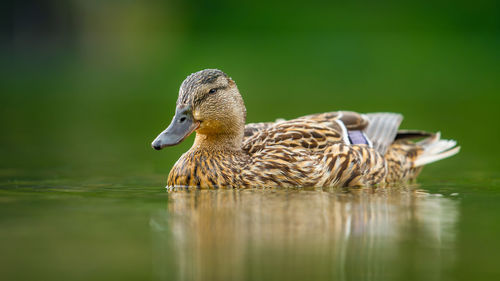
(212, 91)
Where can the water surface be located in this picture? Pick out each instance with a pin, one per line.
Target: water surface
(99, 229)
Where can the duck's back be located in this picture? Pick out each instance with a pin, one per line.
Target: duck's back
(314, 150)
(338, 149)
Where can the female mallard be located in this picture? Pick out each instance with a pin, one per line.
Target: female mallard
(324, 150)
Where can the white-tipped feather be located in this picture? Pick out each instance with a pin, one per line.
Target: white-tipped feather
(436, 149)
(441, 146)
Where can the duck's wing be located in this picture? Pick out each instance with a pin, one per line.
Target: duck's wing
(382, 129)
(377, 130)
(299, 133)
(306, 152)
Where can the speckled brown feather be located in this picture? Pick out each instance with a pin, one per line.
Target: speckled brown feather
(206, 169)
(310, 151)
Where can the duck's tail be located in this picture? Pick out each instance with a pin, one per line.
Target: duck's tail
(435, 149)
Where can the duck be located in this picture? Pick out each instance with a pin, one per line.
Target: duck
(332, 149)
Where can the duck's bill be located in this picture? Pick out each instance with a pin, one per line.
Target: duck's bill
(181, 127)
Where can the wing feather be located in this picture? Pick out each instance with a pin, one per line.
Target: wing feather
(297, 133)
(382, 129)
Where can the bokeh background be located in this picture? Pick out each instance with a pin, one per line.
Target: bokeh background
(86, 85)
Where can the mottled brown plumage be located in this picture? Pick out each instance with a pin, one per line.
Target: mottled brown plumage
(325, 150)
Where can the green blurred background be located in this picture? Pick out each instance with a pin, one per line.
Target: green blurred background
(87, 85)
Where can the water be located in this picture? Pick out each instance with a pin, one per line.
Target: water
(101, 229)
(297, 234)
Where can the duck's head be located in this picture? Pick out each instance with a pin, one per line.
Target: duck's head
(210, 104)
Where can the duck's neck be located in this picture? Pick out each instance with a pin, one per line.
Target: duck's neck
(219, 142)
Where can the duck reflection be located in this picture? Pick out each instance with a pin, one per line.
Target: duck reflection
(269, 234)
